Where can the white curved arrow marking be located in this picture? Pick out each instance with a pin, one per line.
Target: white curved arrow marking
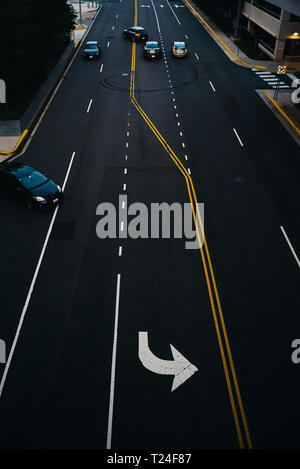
(180, 367)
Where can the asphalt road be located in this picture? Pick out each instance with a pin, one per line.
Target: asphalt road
(59, 390)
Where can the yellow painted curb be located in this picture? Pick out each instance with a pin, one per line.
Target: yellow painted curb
(79, 29)
(10, 153)
(291, 123)
(260, 67)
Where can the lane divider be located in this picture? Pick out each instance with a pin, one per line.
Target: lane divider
(208, 269)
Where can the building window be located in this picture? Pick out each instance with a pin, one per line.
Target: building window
(264, 38)
(268, 8)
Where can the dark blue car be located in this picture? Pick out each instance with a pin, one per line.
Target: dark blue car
(25, 184)
(92, 50)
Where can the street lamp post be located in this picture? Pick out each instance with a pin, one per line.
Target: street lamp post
(80, 12)
(238, 16)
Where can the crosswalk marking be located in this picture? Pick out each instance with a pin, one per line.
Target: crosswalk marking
(271, 79)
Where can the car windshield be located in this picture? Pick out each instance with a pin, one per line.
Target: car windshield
(152, 45)
(180, 45)
(139, 30)
(33, 179)
(91, 46)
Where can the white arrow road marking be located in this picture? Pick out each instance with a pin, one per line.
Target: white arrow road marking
(180, 367)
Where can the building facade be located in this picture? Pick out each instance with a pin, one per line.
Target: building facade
(275, 25)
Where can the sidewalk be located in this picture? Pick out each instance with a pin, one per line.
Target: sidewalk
(284, 108)
(88, 10)
(9, 142)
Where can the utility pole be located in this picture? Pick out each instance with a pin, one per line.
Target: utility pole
(80, 12)
(238, 16)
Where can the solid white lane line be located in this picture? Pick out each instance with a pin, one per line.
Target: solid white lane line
(101, 68)
(89, 106)
(196, 56)
(120, 251)
(32, 285)
(238, 137)
(158, 26)
(113, 366)
(173, 13)
(290, 245)
(212, 86)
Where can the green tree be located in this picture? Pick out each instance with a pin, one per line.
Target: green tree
(33, 35)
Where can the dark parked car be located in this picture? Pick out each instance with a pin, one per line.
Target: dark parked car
(92, 50)
(25, 184)
(152, 50)
(135, 33)
(179, 49)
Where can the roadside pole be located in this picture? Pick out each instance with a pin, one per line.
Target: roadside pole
(281, 70)
(80, 12)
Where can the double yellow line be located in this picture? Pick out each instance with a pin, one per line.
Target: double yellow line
(223, 341)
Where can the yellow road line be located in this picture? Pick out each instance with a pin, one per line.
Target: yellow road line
(292, 124)
(10, 153)
(193, 199)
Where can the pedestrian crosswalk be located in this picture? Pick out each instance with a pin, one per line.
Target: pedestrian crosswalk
(272, 79)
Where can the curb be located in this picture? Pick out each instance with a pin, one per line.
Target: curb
(286, 117)
(216, 36)
(26, 133)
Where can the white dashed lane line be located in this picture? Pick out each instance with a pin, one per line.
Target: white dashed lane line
(124, 187)
(238, 137)
(89, 106)
(212, 86)
(196, 56)
(101, 68)
(108, 43)
(120, 251)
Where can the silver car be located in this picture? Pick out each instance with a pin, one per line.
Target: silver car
(179, 49)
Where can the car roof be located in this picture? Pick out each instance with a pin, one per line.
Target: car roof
(16, 169)
(137, 28)
(177, 43)
(92, 42)
(151, 42)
